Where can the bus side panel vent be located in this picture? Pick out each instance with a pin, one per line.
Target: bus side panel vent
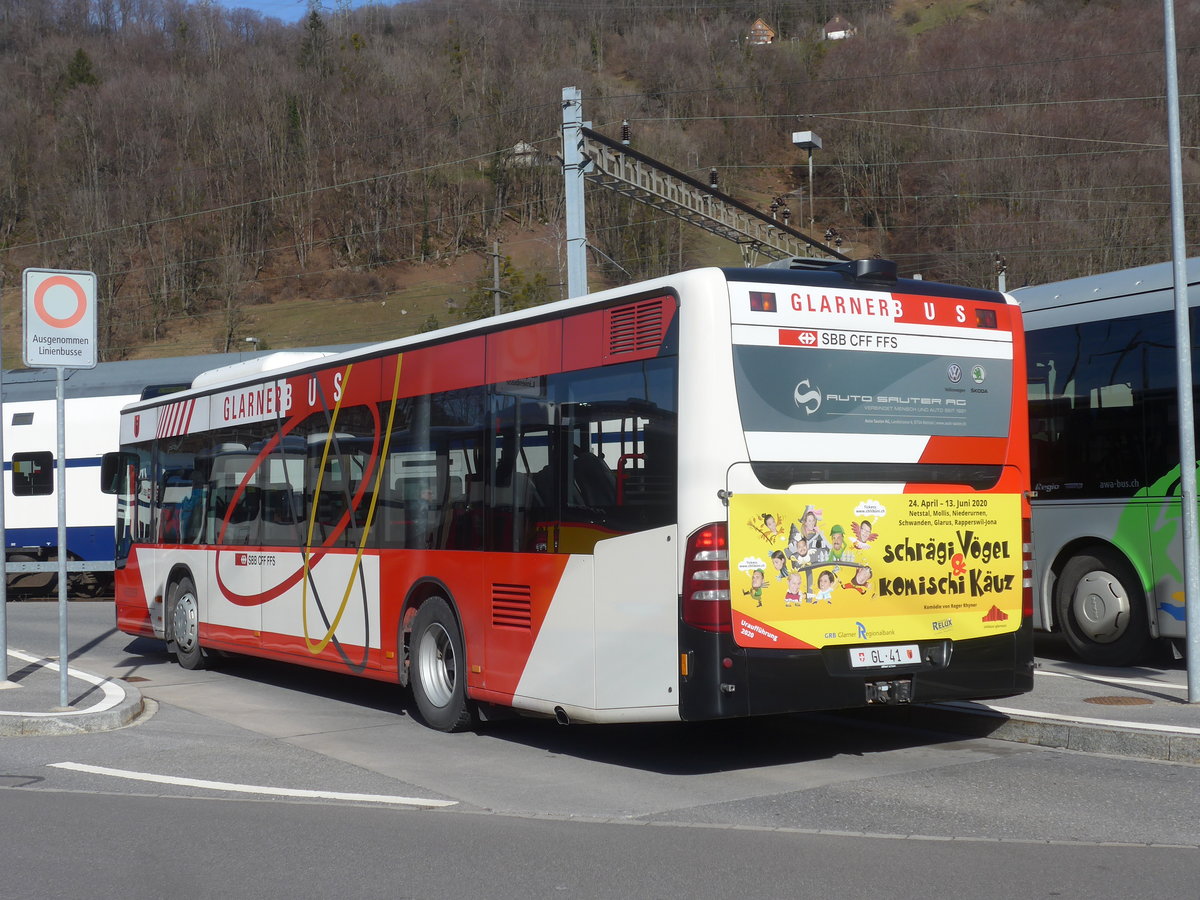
(636, 329)
(512, 606)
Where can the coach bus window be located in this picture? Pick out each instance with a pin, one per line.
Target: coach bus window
(232, 490)
(339, 476)
(458, 432)
(521, 450)
(32, 474)
(123, 478)
(431, 493)
(282, 477)
(181, 489)
(615, 452)
(1093, 408)
(233, 497)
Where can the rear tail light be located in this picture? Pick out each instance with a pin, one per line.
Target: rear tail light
(706, 579)
(1026, 569)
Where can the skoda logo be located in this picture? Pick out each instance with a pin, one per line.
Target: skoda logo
(954, 373)
(807, 397)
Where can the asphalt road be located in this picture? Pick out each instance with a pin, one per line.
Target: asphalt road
(254, 765)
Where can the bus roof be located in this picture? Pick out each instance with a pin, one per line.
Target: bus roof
(268, 362)
(1153, 286)
(854, 274)
(127, 377)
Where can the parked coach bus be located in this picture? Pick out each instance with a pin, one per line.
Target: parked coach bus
(1103, 395)
(722, 493)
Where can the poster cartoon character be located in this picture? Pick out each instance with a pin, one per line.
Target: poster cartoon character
(767, 525)
(757, 579)
(860, 581)
(864, 534)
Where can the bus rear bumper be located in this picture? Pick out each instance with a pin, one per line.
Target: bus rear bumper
(740, 682)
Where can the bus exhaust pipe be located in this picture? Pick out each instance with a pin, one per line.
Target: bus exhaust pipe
(561, 717)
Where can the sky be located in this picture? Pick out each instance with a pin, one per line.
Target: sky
(287, 10)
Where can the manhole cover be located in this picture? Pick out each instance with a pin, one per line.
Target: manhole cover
(1118, 701)
(134, 678)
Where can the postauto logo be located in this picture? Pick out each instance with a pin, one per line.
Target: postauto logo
(807, 397)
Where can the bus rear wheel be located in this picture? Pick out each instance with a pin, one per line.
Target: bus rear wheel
(183, 620)
(438, 668)
(1101, 608)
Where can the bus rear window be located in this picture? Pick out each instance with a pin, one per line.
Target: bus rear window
(833, 391)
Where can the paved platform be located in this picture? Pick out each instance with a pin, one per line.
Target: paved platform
(1136, 712)
(30, 698)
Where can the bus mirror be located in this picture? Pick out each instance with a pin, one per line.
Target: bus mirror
(114, 472)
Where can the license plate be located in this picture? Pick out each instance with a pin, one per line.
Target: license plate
(886, 655)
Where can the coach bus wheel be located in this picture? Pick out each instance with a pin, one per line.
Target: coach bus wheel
(1101, 608)
(183, 616)
(439, 671)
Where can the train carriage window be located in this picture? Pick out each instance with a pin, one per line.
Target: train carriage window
(32, 474)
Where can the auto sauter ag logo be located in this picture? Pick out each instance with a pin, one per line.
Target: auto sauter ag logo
(807, 397)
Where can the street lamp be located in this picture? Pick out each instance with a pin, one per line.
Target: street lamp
(810, 141)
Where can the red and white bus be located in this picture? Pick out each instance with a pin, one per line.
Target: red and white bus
(722, 493)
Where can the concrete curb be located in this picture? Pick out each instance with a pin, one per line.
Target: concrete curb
(1046, 730)
(110, 704)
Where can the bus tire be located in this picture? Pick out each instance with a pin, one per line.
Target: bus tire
(183, 620)
(438, 674)
(1101, 607)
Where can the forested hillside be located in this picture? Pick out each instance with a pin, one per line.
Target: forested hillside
(344, 178)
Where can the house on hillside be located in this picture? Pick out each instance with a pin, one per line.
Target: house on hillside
(760, 33)
(838, 29)
(524, 155)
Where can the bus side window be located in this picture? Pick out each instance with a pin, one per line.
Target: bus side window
(592, 482)
(280, 516)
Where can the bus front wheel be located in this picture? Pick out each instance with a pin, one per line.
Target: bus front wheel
(183, 617)
(438, 667)
(1101, 609)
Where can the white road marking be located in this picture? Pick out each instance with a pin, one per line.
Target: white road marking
(252, 788)
(1014, 713)
(113, 692)
(1112, 679)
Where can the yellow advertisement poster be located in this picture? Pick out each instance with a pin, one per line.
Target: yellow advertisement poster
(844, 569)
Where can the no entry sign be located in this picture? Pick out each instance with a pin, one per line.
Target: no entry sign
(59, 319)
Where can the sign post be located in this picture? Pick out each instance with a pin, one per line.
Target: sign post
(60, 333)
